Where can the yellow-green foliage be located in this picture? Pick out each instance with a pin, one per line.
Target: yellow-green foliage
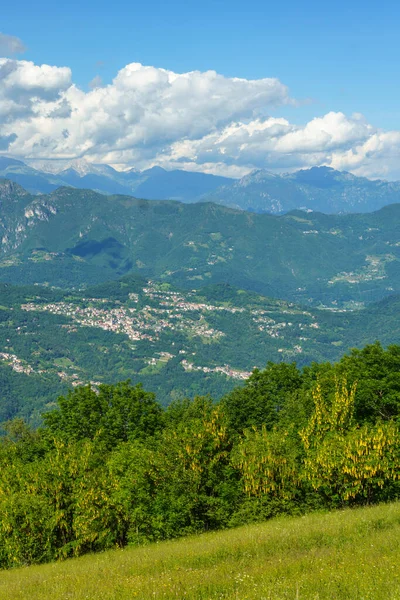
(337, 457)
(268, 462)
(38, 499)
(344, 555)
(195, 446)
(371, 457)
(329, 416)
(342, 459)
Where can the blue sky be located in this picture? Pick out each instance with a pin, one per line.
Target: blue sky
(343, 57)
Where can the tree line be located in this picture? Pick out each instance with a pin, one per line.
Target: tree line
(111, 467)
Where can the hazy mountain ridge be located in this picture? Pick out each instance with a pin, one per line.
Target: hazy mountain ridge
(42, 177)
(319, 188)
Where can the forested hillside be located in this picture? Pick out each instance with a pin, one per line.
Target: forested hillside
(75, 238)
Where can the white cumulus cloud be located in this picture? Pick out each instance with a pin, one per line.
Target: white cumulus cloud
(276, 143)
(27, 90)
(199, 121)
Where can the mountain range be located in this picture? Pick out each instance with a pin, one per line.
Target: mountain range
(154, 184)
(320, 188)
(74, 238)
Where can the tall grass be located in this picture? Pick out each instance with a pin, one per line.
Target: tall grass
(351, 554)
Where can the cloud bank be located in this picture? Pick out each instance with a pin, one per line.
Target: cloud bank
(199, 121)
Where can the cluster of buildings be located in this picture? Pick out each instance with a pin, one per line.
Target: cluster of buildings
(145, 323)
(16, 363)
(224, 370)
(373, 270)
(155, 309)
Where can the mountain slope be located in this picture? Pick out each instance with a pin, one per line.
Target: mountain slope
(320, 188)
(75, 237)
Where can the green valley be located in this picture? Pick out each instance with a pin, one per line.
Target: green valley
(176, 342)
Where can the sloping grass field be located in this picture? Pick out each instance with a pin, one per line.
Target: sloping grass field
(350, 554)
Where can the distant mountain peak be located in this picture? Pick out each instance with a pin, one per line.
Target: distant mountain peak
(325, 177)
(154, 171)
(81, 166)
(258, 175)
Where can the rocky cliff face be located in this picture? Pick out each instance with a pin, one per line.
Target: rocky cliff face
(19, 214)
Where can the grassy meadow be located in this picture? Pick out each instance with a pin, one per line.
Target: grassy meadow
(350, 554)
